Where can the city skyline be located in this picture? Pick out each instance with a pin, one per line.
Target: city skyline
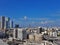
(32, 11)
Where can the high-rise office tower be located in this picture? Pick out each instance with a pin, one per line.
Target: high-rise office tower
(2, 22)
(11, 24)
(16, 25)
(5, 22)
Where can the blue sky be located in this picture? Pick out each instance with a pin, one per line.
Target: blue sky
(31, 11)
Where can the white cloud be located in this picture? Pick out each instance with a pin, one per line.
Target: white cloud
(25, 17)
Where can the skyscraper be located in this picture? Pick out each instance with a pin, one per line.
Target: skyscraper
(16, 25)
(5, 22)
(2, 22)
(11, 24)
